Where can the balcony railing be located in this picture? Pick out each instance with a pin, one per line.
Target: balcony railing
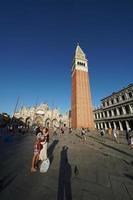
(115, 117)
(117, 103)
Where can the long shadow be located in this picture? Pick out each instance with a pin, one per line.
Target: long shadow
(106, 145)
(51, 150)
(129, 176)
(64, 181)
(78, 136)
(6, 181)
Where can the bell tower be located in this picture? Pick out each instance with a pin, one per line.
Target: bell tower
(81, 105)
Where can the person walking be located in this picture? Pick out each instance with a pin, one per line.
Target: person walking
(102, 133)
(114, 132)
(83, 134)
(110, 131)
(128, 136)
(131, 138)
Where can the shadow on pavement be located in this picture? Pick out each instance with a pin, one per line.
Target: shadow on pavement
(78, 136)
(129, 176)
(111, 147)
(51, 150)
(6, 181)
(64, 181)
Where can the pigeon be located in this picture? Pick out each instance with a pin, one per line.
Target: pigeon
(76, 171)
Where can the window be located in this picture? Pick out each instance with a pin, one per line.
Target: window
(130, 94)
(123, 97)
(112, 101)
(117, 99)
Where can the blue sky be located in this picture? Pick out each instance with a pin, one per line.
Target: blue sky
(38, 40)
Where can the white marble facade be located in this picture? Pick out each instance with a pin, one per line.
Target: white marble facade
(42, 115)
(116, 110)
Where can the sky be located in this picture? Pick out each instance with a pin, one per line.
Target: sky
(38, 39)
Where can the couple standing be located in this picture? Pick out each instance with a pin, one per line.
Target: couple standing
(40, 147)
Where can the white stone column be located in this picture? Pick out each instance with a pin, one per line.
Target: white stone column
(105, 103)
(127, 125)
(117, 110)
(112, 113)
(131, 109)
(124, 110)
(103, 114)
(114, 125)
(105, 126)
(110, 125)
(101, 125)
(127, 96)
(107, 113)
(120, 124)
(100, 115)
(120, 98)
(97, 115)
(115, 101)
(110, 103)
(98, 126)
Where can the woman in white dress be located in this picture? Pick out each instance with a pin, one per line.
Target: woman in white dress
(44, 142)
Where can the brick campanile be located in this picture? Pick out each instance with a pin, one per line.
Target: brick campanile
(81, 115)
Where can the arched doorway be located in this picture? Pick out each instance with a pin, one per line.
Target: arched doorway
(55, 123)
(39, 120)
(131, 124)
(48, 123)
(124, 125)
(28, 121)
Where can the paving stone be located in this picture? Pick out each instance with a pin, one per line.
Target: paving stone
(104, 171)
(119, 189)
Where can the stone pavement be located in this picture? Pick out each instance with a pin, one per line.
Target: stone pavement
(90, 170)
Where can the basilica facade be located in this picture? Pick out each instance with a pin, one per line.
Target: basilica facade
(116, 110)
(42, 115)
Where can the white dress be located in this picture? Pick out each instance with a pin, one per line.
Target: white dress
(43, 152)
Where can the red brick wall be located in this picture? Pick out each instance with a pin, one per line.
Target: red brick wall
(82, 115)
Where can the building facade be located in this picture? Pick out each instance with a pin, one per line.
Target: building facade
(116, 110)
(81, 105)
(42, 115)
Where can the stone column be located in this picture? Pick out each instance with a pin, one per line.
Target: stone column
(110, 125)
(101, 125)
(107, 113)
(127, 125)
(103, 114)
(97, 115)
(98, 126)
(114, 125)
(118, 112)
(120, 98)
(112, 113)
(105, 126)
(100, 115)
(127, 96)
(124, 110)
(115, 100)
(120, 124)
(131, 109)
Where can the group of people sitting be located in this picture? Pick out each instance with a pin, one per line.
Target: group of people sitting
(40, 147)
